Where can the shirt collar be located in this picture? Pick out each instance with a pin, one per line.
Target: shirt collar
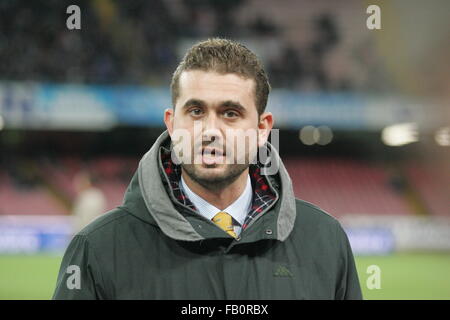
(238, 209)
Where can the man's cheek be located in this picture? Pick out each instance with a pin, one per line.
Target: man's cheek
(182, 151)
(243, 150)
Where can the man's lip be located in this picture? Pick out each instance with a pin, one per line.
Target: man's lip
(217, 152)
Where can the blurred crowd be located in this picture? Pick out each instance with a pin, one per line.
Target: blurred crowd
(56, 185)
(140, 42)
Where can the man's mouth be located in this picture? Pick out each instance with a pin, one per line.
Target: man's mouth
(211, 156)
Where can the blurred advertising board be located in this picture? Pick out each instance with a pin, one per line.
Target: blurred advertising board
(33, 234)
(403, 232)
(83, 107)
(371, 240)
(368, 235)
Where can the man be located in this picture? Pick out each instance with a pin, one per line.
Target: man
(201, 220)
(89, 203)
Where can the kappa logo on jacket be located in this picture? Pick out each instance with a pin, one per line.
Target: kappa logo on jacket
(283, 271)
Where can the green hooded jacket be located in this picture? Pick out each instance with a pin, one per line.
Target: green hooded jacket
(148, 249)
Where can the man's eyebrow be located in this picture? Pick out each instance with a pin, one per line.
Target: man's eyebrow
(233, 104)
(194, 102)
(224, 104)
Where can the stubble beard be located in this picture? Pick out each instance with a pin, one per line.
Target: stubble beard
(205, 176)
(214, 181)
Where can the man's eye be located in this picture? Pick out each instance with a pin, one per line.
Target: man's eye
(195, 112)
(230, 114)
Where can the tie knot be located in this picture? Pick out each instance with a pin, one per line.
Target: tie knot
(225, 222)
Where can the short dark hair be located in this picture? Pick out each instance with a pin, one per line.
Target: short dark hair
(224, 56)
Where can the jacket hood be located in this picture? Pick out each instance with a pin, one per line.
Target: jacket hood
(147, 198)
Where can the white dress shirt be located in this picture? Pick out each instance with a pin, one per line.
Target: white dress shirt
(238, 210)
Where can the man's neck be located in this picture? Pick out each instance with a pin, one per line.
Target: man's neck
(220, 198)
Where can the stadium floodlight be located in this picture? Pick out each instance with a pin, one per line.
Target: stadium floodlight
(442, 136)
(400, 134)
(308, 135)
(325, 135)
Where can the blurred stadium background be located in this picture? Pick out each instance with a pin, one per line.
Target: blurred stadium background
(363, 114)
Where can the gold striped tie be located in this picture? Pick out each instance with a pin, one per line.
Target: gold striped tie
(224, 221)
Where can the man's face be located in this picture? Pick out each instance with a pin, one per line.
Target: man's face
(216, 115)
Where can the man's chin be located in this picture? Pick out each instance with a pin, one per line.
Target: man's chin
(215, 175)
(207, 171)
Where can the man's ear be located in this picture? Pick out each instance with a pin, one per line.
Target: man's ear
(265, 125)
(168, 120)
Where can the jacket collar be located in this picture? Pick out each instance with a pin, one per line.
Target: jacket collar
(162, 211)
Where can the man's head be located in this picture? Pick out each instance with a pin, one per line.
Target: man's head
(219, 94)
(224, 57)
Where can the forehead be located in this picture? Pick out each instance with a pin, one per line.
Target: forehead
(214, 87)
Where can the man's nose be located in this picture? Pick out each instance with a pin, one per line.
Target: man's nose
(211, 129)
